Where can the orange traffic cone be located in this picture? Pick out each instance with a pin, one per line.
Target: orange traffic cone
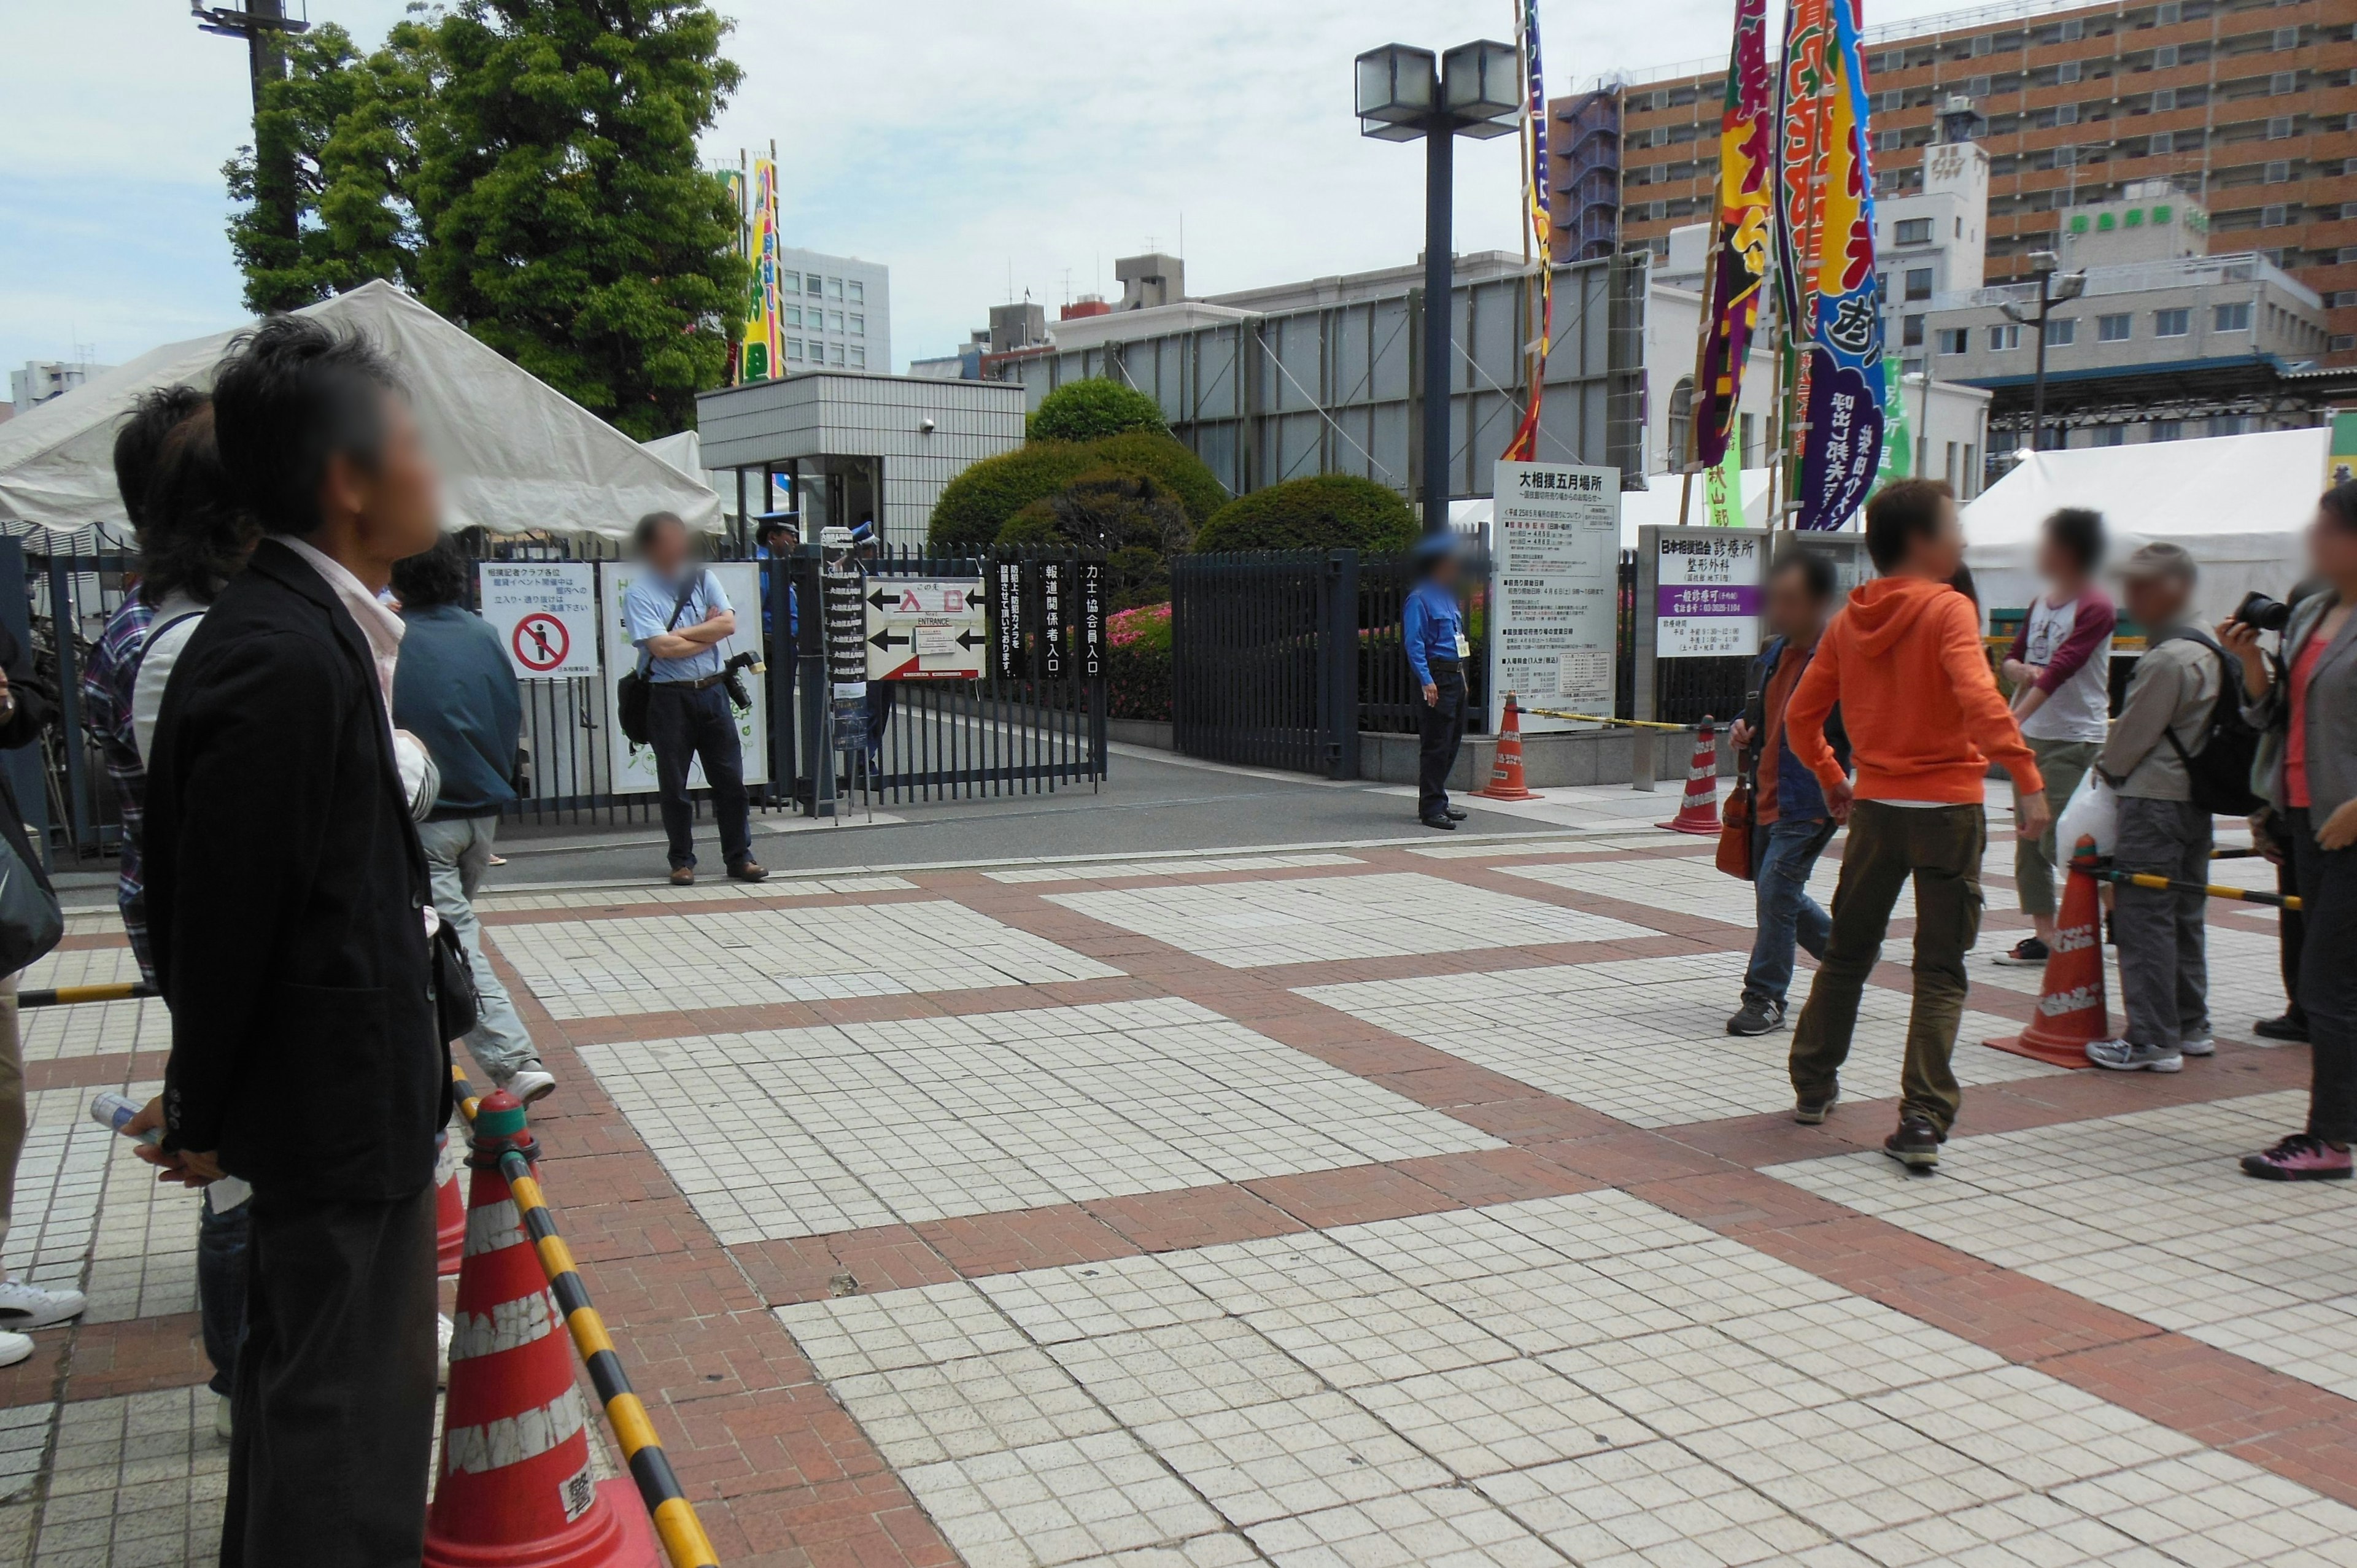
(449, 1216)
(514, 1488)
(1699, 812)
(1506, 773)
(2071, 1010)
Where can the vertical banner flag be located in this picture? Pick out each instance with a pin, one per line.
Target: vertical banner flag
(1723, 490)
(762, 356)
(1525, 447)
(1747, 161)
(1898, 437)
(1826, 206)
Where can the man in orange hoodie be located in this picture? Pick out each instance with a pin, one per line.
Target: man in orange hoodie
(1924, 718)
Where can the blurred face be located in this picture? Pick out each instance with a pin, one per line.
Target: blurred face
(667, 550)
(2054, 563)
(2333, 549)
(1444, 571)
(397, 501)
(2155, 601)
(1939, 554)
(1792, 611)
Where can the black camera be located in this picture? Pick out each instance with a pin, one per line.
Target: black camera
(2262, 613)
(735, 683)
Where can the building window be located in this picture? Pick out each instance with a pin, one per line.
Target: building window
(2287, 38)
(2164, 57)
(2066, 73)
(2162, 144)
(2074, 29)
(793, 348)
(811, 285)
(1978, 86)
(793, 316)
(1918, 282)
(834, 353)
(2273, 215)
(2171, 323)
(2005, 336)
(1911, 333)
(859, 325)
(2234, 424)
(2108, 435)
(2168, 12)
(2279, 128)
(1885, 141)
(2062, 331)
(834, 288)
(2282, 83)
(1747, 434)
(1956, 339)
(2278, 171)
(2234, 317)
(2164, 99)
(2113, 329)
(856, 291)
(2066, 114)
(1913, 232)
(789, 282)
(2167, 430)
(858, 358)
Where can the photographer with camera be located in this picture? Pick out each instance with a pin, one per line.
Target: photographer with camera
(2307, 701)
(2273, 840)
(678, 618)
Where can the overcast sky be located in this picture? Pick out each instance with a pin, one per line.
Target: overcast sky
(959, 143)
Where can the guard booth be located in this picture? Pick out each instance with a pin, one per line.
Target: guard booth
(1698, 606)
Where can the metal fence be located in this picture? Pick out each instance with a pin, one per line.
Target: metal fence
(1253, 676)
(1388, 695)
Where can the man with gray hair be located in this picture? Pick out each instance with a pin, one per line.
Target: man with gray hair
(2163, 832)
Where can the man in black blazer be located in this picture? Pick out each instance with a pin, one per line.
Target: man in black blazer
(287, 892)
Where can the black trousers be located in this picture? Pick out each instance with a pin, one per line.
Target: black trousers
(334, 1407)
(1441, 728)
(684, 726)
(2293, 933)
(2327, 982)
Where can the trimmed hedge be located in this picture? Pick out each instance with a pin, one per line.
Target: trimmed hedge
(1170, 463)
(1138, 680)
(1325, 511)
(979, 502)
(1092, 409)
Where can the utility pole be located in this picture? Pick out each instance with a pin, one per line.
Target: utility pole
(263, 23)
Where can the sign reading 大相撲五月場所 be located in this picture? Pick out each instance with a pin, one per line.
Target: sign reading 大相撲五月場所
(1706, 592)
(1555, 570)
(546, 613)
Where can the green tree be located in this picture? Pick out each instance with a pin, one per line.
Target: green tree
(1324, 511)
(1091, 409)
(528, 167)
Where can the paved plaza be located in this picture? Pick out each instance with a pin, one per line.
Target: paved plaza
(1356, 1203)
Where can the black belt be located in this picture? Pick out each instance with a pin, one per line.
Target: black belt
(705, 683)
(1443, 666)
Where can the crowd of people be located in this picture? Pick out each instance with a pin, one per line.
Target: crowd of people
(1882, 714)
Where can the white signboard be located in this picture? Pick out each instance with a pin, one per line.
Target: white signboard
(1553, 619)
(634, 766)
(546, 615)
(926, 629)
(1706, 594)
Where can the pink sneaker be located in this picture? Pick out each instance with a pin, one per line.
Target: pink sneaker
(2299, 1157)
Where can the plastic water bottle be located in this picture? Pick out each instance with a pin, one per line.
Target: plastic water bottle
(115, 1112)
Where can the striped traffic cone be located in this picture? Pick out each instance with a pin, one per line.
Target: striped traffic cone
(2071, 1006)
(449, 1213)
(1699, 812)
(514, 1488)
(1506, 772)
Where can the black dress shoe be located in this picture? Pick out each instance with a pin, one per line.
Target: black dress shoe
(2291, 1028)
(1443, 823)
(1454, 814)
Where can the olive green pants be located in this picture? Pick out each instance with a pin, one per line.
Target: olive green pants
(1939, 848)
(2062, 763)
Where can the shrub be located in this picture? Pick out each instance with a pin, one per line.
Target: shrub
(1325, 511)
(976, 504)
(1128, 517)
(1138, 680)
(1035, 524)
(1092, 409)
(1170, 462)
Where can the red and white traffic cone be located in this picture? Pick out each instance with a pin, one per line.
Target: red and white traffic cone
(1506, 772)
(2070, 1007)
(450, 1214)
(514, 1488)
(1699, 812)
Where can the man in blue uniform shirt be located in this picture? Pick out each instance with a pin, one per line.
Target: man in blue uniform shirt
(1434, 629)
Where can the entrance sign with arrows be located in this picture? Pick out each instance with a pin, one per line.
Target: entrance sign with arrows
(926, 629)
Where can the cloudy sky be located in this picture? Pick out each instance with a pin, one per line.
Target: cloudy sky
(960, 144)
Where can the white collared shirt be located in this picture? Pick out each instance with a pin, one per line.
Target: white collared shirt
(378, 624)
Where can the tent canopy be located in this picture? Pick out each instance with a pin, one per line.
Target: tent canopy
(515, 454)
(2239, 505)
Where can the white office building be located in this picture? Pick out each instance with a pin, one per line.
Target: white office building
(838, 312)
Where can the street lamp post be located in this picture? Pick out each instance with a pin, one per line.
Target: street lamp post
(1403, 93)
(2052, 291)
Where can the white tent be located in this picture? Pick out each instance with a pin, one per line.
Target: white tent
(1657, 503)
(2238, 503)
(515, 454)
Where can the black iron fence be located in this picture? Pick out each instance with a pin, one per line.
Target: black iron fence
(1258, 671)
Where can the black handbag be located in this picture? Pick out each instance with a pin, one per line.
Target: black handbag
(631, 690)
(457, 1004)
(31, 923)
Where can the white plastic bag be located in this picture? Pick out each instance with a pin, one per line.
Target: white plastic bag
(2093, 813)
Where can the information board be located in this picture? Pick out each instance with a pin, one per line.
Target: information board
(1706, 592)
(546, 613)
(926, 629)
(1553, 617)
(634, 766)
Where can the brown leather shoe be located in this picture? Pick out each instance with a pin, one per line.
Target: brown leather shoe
(683, 876)
(750, 871)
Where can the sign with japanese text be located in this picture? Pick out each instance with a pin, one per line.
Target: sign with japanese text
(1553, 607)
(1706, 594)
(546, 613)
(926, 629)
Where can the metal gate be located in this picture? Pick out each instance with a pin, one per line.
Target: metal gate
(1264, 667)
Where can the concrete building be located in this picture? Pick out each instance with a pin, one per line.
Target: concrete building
(2247, 106)
(42, 379)
(1321, 376)
(838, 311)
(859, 446)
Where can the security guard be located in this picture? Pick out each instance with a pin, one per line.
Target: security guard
(1434, 629)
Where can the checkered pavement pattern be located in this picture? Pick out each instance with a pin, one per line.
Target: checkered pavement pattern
(1385, 1203)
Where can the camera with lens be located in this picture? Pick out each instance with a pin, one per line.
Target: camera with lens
(2262, 613)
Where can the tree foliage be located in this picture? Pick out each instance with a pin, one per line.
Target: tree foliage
(1095, 408)
(1130, 517)
(1324, 511)
(529, 168)
(977, 504)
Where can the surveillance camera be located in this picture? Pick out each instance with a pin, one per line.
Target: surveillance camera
(926, 425)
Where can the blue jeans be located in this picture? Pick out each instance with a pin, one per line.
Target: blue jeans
(1786, 853)
(221, 1288)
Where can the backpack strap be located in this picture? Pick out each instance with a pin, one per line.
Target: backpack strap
(678, 608)
(2191, 633)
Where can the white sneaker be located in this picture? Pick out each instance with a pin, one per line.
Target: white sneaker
(444, 1331)
(13, 1348)
(220, 1417)
(532, 1081)
(26, 1306)
(2204, 1047)
(2123, 1056)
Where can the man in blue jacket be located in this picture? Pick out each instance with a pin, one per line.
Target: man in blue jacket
(1790, 825)
(1433, 629)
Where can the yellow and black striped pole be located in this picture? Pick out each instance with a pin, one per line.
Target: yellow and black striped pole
(67, 995)
(2171, 885)
(683, 1540)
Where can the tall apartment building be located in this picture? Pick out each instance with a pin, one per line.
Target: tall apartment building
(2246, 105)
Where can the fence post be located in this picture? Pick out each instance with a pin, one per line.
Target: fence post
(1338, 664)
(783, 651)
(816, 757)
(64, 626)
